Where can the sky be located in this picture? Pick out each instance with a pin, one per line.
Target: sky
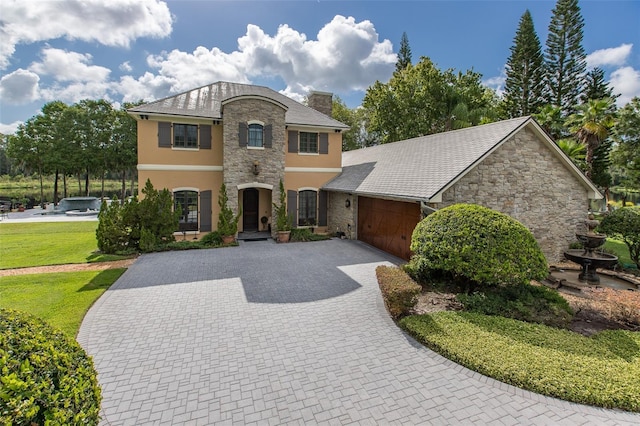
(128, 50)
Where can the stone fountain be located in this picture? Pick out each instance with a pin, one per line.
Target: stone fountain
(587, 257)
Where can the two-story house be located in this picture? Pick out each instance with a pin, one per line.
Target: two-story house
(249, 137)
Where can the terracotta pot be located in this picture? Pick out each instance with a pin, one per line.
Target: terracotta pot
(283, 236)
(228, 239)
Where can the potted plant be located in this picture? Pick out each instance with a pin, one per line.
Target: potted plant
(283, 221)
(227, 221)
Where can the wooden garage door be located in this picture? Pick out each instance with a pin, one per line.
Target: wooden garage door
(387, 225)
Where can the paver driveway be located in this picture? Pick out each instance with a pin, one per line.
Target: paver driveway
(295, 333)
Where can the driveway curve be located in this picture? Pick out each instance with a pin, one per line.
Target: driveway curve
(267, 333)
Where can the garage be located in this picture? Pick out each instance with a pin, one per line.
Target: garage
(387, 225)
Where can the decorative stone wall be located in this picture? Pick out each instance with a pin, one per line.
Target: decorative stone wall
(340, 217)
(321, 101)
(239, 160)
(527, 181)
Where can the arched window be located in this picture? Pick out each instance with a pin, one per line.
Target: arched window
(186, 202)
(307, 208)
(256, 133)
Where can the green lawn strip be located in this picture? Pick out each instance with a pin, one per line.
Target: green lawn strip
(621, 250)
(61, 299)
(39, 244)
(602, 370)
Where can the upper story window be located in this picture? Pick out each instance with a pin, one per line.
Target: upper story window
(256, 135)
(185, 135)
(309, 142)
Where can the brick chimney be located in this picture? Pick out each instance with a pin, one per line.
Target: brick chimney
(321, 101)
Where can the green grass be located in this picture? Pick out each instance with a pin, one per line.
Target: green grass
(61, 299)
(601, 370)
(49, 243)
(621, 250)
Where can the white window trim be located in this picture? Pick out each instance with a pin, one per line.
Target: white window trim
(185, 188)
(250, 122)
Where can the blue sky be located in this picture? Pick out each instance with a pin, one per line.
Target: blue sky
(124, 50)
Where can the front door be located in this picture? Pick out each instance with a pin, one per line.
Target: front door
(250, 210)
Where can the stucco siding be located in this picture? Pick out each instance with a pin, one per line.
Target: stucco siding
(526, 180)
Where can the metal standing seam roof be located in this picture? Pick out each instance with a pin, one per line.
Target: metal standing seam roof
(420, 168)
(206, 102)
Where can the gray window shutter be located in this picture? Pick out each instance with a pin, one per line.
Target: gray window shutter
(323, 143)
(164, 134)
(322, 208)
(293, 141)
(243, 134)
(292, 207)
(205, 136)
(205, 211)
(268, 136)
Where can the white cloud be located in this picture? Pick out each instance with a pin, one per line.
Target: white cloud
(9, 129)
(347, 55)
(112, 23)
(497, 83)
(19, 87)
(126, 67)
(69, 66)
(625, 81)
(613, 56)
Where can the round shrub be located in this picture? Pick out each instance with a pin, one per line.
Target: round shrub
(474, 244)
(212, 239)
(45, 376)
(624, 224)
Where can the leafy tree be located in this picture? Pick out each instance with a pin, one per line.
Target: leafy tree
(404, 54)
(624, 224)
(575, 151)
(595, 86)
(525, 84)
(550, 118)
(591, 125)
(422, 100)
(626, 152)
(123, 150)
(342, 113)
(565, 59)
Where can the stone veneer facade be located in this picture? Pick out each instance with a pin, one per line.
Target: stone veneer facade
(239, 160)
(526, 180)
(321, 101)
(340, 217)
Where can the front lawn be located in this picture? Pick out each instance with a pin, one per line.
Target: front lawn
(61, 299)
(600, 370)
(48, 243)
(621, 250)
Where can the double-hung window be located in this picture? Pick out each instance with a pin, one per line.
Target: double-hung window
(185, 135)
(309, 142)
(256, 135)
(307, 208)
(186, 202)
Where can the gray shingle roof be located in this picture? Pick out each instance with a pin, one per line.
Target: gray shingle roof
(420, 168)
(206, 102)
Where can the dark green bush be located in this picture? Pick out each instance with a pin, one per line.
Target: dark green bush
(477, 245)
(305, 234)
(624, 224)
(112, 234)
(523, 302)
(399, 291)
(45, 377)
(212, 239)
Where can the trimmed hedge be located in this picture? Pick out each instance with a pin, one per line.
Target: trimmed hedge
(45, 376)
(601, 370)
(399, 291)
(476, 244)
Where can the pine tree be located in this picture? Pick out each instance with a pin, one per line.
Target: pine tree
(564, 56)
(404, 54)
(595, 86)
(524, 87)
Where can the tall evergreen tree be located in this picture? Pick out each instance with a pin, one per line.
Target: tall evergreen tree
(404, 54)
(595, 86)
(565, 59)
(524, 87)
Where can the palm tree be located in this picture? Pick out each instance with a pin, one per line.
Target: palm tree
(550, 118)
(575, 151)
(591, 124)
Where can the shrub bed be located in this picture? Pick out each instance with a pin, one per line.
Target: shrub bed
(399, 291)
(602, 370)
(523, 302)
(46, 377)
